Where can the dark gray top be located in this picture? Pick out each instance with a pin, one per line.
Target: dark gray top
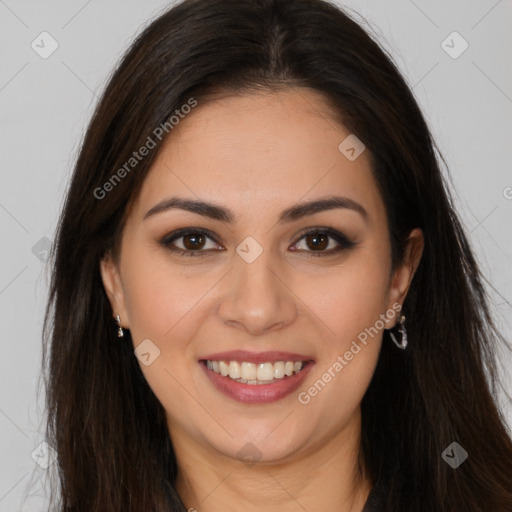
(375, 501)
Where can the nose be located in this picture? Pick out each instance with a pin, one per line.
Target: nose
(259, 297)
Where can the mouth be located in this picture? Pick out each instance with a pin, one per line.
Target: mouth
(255, 374)
(256, 378)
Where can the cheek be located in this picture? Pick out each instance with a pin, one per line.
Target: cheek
(164, 306)
(349, 302)
(337, 390)
(347, 299)
(158, 295)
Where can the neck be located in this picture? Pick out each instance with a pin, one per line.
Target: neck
(325, 476)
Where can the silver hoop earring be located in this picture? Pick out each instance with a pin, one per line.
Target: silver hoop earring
(402, 332)
(120, 332)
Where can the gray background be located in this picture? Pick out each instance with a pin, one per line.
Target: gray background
(45, 105)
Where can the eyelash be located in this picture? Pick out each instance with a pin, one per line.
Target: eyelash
(340, 238)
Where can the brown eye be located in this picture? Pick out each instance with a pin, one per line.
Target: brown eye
(317, 240)
(194, 241)
(190, 242)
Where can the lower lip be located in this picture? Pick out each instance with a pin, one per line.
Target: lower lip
(257, 393)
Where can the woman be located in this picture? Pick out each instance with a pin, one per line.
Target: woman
(262, 296)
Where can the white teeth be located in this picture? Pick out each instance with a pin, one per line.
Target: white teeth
(279, 370)
(250, 373)
(234, 370)
(265, 371)
(224, 368)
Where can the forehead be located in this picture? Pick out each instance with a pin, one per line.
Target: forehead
(260, 149)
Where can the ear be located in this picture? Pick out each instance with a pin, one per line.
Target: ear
(402, 276)
(113, 287)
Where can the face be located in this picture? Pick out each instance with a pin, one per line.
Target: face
(259, 278)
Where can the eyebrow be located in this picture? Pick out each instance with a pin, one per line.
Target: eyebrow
(222, 214)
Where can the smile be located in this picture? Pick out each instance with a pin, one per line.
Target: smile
(255, 374)
(256, 383)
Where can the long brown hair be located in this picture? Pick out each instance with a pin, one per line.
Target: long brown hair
(109, 429)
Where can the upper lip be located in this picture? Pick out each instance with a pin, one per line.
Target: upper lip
(256, 357)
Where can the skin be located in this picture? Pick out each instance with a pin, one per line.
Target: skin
(258, 154)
